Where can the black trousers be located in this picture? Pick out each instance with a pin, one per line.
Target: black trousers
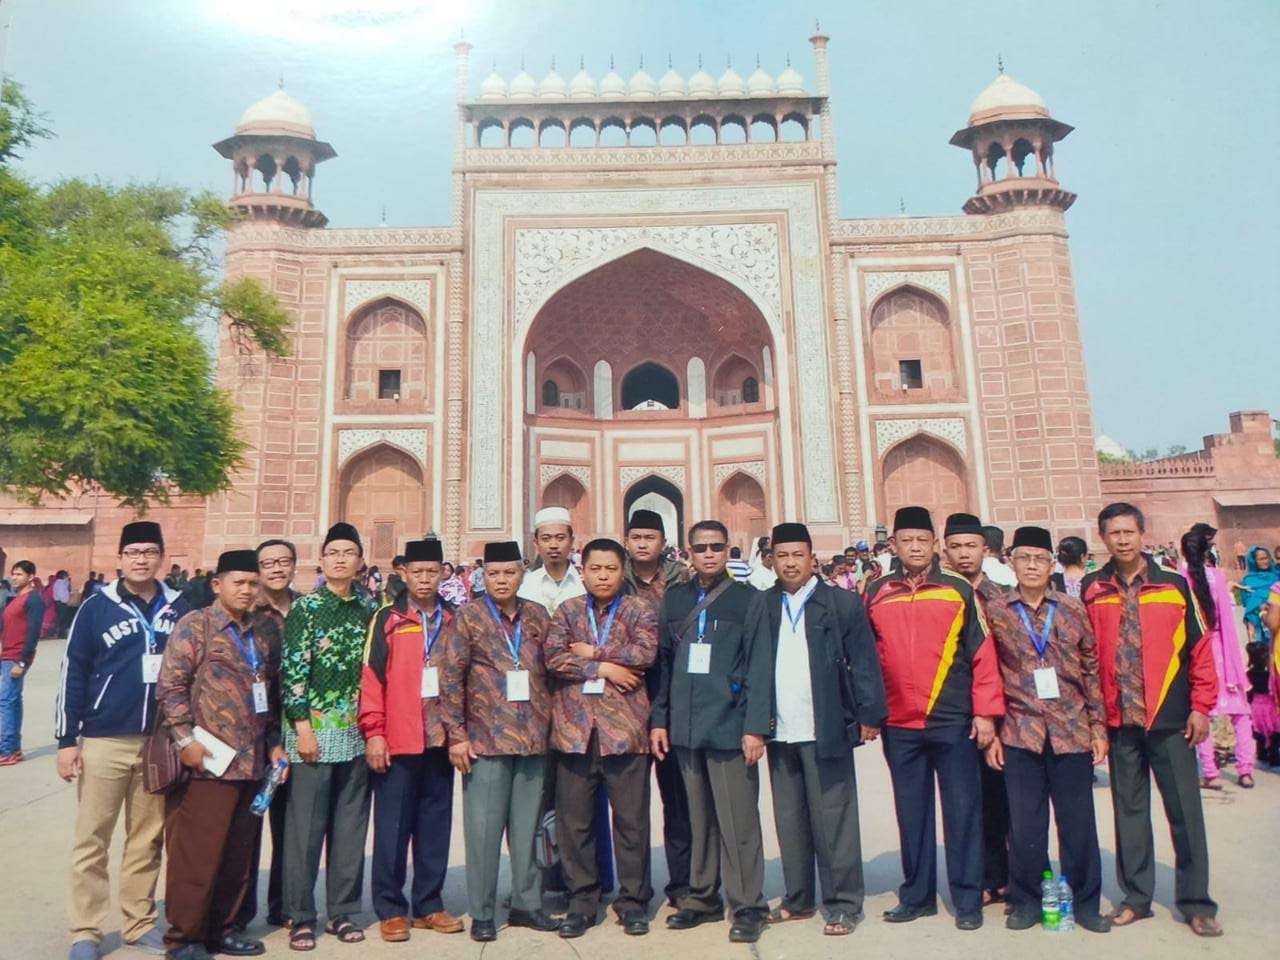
(626, 777)
(1136, 755)
(915, 758)
(412, 805)
(677, 836)
(995, 828)
(1066, 779)
(553, 877)
(275, 877)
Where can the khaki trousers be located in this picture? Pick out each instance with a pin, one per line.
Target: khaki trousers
(112, 778)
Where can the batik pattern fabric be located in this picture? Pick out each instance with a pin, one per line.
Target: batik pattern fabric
(324, 639)
(473, 681)
(620, 719)
(1129, 680)
(1077, 716)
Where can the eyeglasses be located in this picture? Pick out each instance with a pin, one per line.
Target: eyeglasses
(708, 547)
(146, 553)
(278, 563)
(1032, 559)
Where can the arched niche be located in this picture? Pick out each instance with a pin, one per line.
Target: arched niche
(914, 349)
(923, 470)
(740, 506)
(386, 356)
(383, 493)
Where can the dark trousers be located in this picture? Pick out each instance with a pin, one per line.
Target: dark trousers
(915, 758)
(412, 804)
(626, 778)
(328, 810)
(1066, 779)
(995, 828)
(677, 839)
(275, 878)
(553, 877)
(208, 837)
(815, 809)
(1136, 754)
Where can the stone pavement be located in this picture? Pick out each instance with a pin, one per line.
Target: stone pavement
(37, 811)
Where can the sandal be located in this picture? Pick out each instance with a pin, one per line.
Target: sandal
(1246, 781)
(344, 930)
(302, 937)
(1124, 915)
(1205, 927)
(783, 915)
(839, 925)
(1214, 784)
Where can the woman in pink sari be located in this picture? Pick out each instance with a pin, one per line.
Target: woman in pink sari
(1214, 599)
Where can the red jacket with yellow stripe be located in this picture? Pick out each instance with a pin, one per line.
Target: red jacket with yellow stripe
(937, 655)
(1178, 672)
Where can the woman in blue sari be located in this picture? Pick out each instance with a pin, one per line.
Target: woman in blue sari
(1260, 574)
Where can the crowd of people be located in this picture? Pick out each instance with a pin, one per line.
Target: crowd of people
(560, 690)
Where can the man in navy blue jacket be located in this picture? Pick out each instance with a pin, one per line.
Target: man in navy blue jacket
(106, 706)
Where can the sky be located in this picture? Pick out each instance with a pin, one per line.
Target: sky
(1175, 155)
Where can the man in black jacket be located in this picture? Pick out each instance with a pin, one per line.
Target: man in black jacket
(713, 704)
(828, 698)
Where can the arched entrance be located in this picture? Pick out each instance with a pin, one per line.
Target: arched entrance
(650, 384)
(565, 491)
(741, 508)
(384, 496)
(664, 498)
(922, 471)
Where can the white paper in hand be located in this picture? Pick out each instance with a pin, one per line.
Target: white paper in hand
(220, 754)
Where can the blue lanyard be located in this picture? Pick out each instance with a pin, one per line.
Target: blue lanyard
(602, 638)
(513, 643)
(437, 624)
(1041, 641)
(702, 616)
(796, 617)
(247, 649)
(148, 628)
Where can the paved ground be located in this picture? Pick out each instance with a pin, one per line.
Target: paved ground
(37, 811)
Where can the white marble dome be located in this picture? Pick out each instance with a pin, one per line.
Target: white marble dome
(552, 86)
(277, 113)
(760, 84)
(582, 86)
(523, 86)
(790, 83)
(671, 86)
(702, 84)
(493, 87)
(642, 86)
(1006, 95)
(612, 85)
(730, 84)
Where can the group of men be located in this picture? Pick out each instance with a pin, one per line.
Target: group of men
(557, 691)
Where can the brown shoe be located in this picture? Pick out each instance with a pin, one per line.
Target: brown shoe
(395, 930)
(441, 922)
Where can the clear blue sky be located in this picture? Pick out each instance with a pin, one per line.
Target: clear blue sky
(1175, 156)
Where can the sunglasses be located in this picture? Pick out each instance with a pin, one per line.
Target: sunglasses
(708, 547)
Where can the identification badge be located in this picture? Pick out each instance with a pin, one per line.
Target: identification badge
(259, 697)
(151, 667)
(1047, 683)
(430, 683)
(699, 658)
(595, 686)
(517, 685)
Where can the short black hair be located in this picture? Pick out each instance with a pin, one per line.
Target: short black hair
(1113, 511)
(293, 551)
(708, 526)
(397, 560)
(604, 545)
(994, 537)
(735, 553)
(26, 566)
(1071, 551)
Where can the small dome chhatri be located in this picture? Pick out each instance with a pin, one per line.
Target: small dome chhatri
(583, 85)
(493, 87)
(278, 113)
(1006, 97)
(612, 85)
(671, 86)
(790, 83)
(760, 83)
(523, 86)
(702, 84)
(552, 86)
(730, 84)
(642, 86)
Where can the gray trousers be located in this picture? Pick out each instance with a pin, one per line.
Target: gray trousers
(502, 793)
(724, 819)
(328, 808)
(815, 808)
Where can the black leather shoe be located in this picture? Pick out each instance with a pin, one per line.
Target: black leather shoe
(575, 925)
(1094, 924)
(188, 951)
(905, 914)
(235, 945)
(969, 921)
(1021, 920)
(635, 923)
(686, 919)
(538, 920)
(483, 931)
(747, 927)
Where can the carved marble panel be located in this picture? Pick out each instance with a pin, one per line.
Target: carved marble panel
(547, 472)
(935, 281)
(755, 469)
(351, 442)
(892, 432)
(416, 293)
(629, 475)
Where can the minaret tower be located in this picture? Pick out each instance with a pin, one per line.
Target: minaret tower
(273, 155)
(1011, 136)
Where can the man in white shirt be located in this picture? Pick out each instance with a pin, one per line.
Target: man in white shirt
(828, 698)
(556, 580)
(993, 565)
(762, 575)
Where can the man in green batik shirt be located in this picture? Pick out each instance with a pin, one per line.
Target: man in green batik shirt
(324, 639)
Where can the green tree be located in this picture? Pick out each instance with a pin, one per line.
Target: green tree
(104, 378)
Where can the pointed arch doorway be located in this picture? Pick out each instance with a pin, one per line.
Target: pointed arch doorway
(662, 497)
(742, 510)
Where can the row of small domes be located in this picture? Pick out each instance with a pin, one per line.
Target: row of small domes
(642, 86)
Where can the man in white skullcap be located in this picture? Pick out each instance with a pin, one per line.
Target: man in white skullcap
(556, 580)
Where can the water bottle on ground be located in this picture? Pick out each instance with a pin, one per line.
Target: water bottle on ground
(263, 800)
(1049, 916)
(1066, 906)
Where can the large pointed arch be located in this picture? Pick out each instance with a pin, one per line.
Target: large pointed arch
(382, 491)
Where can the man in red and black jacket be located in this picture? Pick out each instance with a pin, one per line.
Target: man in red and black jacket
(944, 690)
(405, 747)
(1159, 684)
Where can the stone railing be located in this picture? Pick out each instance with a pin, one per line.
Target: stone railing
(1172, 468)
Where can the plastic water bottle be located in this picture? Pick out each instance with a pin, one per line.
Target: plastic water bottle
(1066, 906)
(1049, 915)
(263, 800)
